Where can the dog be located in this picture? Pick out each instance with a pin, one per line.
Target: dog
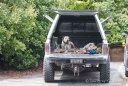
(66, 44)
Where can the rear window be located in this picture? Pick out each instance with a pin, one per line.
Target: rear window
(78, 27)
(65, 27)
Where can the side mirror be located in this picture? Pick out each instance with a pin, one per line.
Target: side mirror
(125, 33)
(107, 32)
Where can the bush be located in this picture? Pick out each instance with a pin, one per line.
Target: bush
(118, 10)
(21, 37)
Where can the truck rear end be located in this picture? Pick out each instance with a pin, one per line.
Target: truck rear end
(82, 27)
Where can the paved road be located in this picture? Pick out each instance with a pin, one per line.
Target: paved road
(117, 78)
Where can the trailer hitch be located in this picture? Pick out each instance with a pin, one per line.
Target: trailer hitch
(76, 70)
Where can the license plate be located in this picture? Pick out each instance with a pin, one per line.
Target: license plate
(76, 60)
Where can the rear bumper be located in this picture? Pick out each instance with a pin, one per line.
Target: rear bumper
(65, 58)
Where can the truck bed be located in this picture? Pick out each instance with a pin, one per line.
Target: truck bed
(79, 42)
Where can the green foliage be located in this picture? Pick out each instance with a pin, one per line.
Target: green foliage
(79, 5)
(118, 10)
(21, 36)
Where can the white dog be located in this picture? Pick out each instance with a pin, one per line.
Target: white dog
(66, 43)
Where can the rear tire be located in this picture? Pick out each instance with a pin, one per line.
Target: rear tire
(126, 73)
(105, 72)
(48, 70)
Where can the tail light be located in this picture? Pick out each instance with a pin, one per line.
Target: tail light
(47, 48)
(105, 49)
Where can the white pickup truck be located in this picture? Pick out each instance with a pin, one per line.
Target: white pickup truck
(82, 27)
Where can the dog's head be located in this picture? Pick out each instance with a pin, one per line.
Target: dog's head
(66, 39)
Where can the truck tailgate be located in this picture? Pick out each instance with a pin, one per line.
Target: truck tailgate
(78, 56)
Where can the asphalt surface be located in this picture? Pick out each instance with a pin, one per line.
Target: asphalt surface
(117, 78)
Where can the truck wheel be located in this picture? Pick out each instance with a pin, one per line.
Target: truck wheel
(126, 73)
(105, 72)
(48, 70)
